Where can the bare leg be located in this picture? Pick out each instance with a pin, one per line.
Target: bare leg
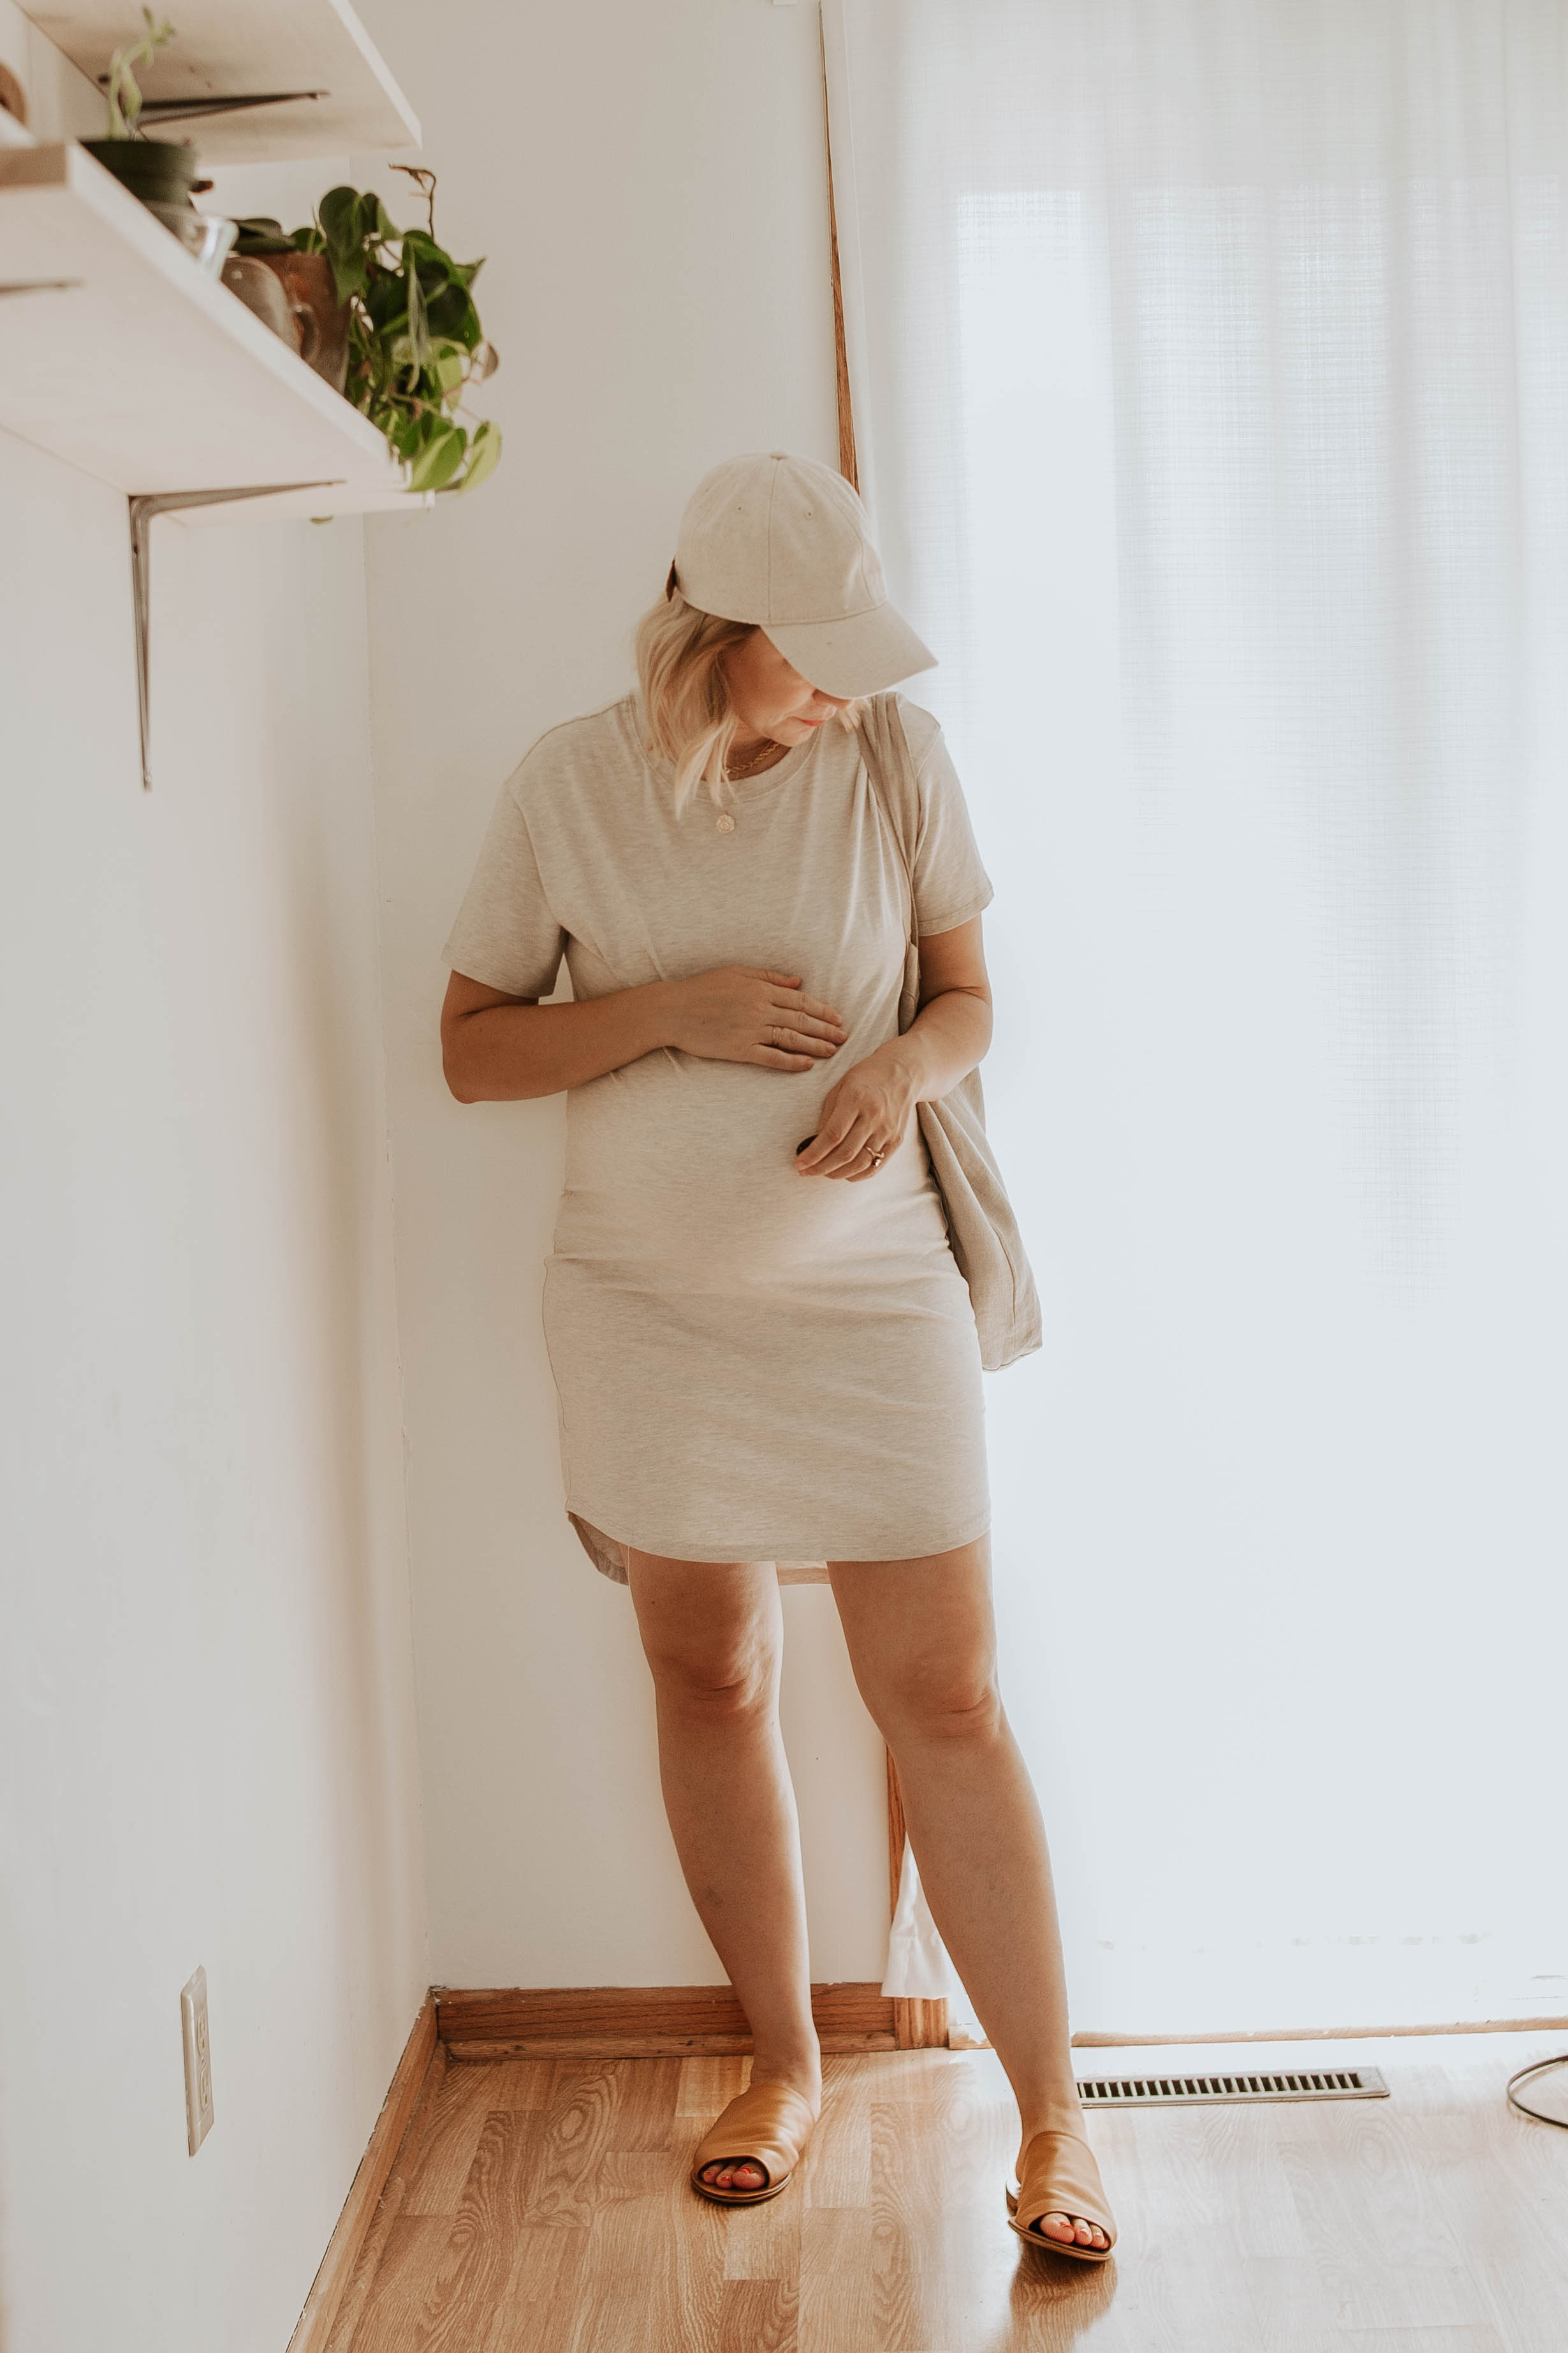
(923, 1642)
(713, 1637)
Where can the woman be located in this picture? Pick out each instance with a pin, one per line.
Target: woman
(761, 1346)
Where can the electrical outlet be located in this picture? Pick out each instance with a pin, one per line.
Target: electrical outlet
(198, 2060)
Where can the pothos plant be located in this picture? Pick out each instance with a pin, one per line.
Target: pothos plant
(123, 92)
(159, 171)
(415, 339)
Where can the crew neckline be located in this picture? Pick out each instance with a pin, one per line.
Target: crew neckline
(739, 788)
(781, 770)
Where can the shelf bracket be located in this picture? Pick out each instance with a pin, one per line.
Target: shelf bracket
(146, 508)
(190, 109)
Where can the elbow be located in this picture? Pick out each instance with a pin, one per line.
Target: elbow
(980, 1035)
(459, 1084)
(987, 1026)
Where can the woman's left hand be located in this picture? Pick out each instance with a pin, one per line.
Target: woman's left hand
(863, 1119)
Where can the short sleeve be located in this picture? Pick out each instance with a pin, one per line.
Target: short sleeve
(505, 935)
(951, 885)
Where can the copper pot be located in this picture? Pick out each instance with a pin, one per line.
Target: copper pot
(313, 294)
(245, 277)
(13, 97)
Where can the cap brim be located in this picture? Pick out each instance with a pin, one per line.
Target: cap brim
(864, 654)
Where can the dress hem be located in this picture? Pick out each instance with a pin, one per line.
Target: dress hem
(608, 1552)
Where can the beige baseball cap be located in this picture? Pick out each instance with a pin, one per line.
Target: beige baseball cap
(785, 542)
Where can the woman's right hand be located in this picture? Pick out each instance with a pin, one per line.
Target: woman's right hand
(736, 1015)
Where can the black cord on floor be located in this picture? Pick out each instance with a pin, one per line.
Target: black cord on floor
(1537, 2067)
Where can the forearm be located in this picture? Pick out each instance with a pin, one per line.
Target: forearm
(870, 1112)
(947, 1038)
(511, 1054)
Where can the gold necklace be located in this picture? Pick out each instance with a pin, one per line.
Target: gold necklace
(753, 765)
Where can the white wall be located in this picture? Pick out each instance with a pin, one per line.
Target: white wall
(648, 185)
(206, 1723)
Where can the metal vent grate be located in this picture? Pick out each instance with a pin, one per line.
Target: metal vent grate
(1189, 2091)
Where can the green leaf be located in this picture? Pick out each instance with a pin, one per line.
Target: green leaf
(338, 212)
(258, 233)
(440, 457)
(484, 456)
(414, 432)
(418, 330)
(418, 242)
(452, 315)
(348, 275)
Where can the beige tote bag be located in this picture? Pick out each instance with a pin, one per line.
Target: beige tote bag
(981, 1227)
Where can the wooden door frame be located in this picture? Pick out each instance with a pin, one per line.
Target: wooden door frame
(920, 2025)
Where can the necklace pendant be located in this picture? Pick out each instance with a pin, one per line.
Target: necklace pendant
(725, 824)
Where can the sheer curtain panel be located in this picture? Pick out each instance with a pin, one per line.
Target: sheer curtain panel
(1210, 365)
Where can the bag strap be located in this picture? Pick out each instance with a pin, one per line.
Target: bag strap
(891, 772)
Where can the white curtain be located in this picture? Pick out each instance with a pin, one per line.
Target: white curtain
(1210, 365)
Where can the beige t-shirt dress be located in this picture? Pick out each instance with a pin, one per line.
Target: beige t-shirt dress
(751, 1364)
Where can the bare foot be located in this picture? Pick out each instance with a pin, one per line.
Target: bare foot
(1072, 2229)
(734, 2177)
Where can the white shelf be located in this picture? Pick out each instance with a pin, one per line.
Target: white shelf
(294, 506)
(234, 48)
(129, 364)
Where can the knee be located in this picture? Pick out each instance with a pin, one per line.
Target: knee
(718, 1687)
(942, 1701)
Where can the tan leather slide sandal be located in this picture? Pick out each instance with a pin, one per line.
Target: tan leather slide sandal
(768, 2126)
(1061, 2177)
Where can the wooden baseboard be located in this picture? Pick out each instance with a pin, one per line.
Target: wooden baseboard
(644, 2022)
(920, 2025)
(402, 2114)
(1322, 2034)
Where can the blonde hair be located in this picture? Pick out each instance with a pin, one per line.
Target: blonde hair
(686, 713)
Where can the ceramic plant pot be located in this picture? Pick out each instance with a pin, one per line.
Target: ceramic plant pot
(248, 276)
(306, 280)
(13, 97)
(157, 171)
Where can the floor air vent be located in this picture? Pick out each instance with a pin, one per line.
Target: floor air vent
(1190, 2090)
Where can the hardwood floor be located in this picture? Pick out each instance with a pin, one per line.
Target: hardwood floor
(545, 2210)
